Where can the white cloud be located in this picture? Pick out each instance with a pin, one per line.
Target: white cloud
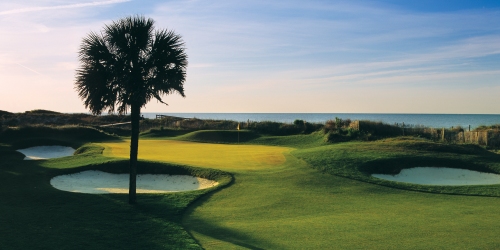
(59, 7)
(241, 51)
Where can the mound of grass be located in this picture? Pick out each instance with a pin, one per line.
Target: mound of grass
(43, 111)
(219, 136)
(296, 207)
(358, 160)
(277, 200)
(314, 139)
(74, 136)
(3, 112)
(163, 133)
(54, 219)
(89, 149)
(282, 129)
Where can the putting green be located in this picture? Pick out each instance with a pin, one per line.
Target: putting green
(287, 204)
(220, 156)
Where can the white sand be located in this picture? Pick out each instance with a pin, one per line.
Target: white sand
(98, 182)
(46, 152)
(442, 176)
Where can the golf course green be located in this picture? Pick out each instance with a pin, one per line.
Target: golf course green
(281, 192)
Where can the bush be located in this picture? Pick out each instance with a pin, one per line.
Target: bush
(379, 129)
(280, 129)
(69, 135)
(336, 124)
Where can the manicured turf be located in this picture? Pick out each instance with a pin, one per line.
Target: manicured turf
(300, 193)
(358, 160)
(298, 208)
(220, 156)
(37, 216)
(290, 205)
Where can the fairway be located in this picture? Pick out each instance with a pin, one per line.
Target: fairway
(309, 196)
(278, 201)
(220, 156)
(299, 208)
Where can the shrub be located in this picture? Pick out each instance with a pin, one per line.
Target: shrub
(277, 128)
(336, 124)
(73, 135)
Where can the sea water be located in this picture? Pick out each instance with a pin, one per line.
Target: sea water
(427, 120)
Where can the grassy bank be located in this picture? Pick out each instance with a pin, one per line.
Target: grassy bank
(285, 192)
(291, 205)
(37, 216)
(358, 160)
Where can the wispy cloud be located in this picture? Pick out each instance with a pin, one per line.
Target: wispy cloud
(32, 70)
(58, 7)
(274, 51)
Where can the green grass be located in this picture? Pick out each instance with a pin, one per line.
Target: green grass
(294, 141)
(220, 156)
(220, 136)
(287, 192)
(163, 133)
(74, 136)
(296, 207)
(246, 137)
(38, 216)
(358, 160)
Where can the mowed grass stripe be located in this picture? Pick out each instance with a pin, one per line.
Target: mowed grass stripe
(289, 205)
(219, 156)
(300, 208)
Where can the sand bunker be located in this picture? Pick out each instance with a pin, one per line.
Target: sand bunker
(442, 176)
(46, 152)
(98, 182)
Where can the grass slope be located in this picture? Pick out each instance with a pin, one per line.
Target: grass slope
(299, 208)
(231, 137)
(74, 136)
(358, 160)
(220, 136)
(38, 216)
(289, 205)
(277, 200)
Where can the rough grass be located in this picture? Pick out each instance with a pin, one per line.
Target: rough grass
(163, 133)
(280, 198)
(358, 160)
(296, 207)
(220, 136)
(37, 216)
(246, 137)
(74, 136)
(293, 206)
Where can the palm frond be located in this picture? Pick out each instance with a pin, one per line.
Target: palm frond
(129, 63)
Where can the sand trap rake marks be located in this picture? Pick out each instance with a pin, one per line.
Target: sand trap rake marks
(98, 182)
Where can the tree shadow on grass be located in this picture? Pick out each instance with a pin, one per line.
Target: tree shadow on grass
(219, 232)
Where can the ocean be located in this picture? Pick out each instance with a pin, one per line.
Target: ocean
(427, 120)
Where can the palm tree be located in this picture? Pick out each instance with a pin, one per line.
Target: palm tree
(126, 65)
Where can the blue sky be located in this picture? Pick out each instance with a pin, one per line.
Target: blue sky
(273, 56)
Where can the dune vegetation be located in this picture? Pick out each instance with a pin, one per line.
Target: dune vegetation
(296, 191)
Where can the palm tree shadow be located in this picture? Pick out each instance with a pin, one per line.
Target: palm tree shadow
(218, 232)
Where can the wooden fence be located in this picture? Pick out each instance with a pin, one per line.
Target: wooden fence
(485, 138)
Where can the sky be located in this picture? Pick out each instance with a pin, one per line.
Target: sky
(315, 56)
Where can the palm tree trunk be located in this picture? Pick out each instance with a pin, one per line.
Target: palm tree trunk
(134, 149)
